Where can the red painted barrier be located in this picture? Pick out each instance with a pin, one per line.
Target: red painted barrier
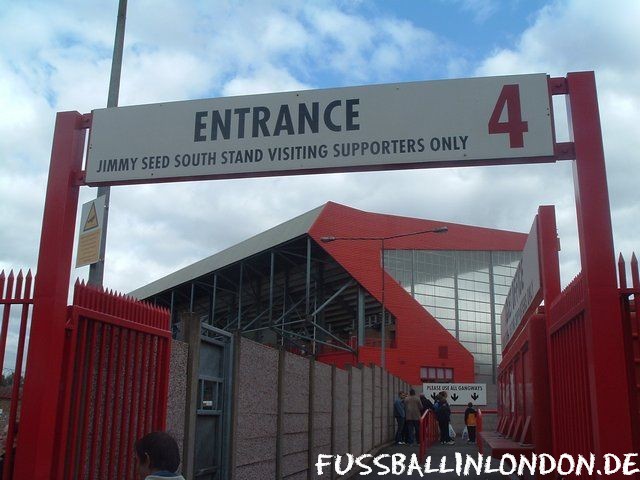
(601, 327)
(630, 309)
(590, 345)
(429, 432)
(115, 376)
(14, 290)
(571, 398)
(479, 429)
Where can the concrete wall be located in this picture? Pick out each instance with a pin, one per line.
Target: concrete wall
(289, 409)
(256, 412)
(176, 403)
(322, 412)
(340, 413)
(355, 411)
(295, 438)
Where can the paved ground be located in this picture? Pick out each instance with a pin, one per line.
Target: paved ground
(436, 452)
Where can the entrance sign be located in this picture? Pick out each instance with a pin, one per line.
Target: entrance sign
(483, 120)
(90, 236)
(457, 393)
(525, 293)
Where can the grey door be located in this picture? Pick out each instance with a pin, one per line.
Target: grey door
(213, 411)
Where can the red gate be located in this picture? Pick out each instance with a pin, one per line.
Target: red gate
(114, 383)
(19, 294)
(115, 376)
(630, 309)
(573, 430)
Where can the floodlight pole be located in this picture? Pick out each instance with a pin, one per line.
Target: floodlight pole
(383, 336)
(96, 270)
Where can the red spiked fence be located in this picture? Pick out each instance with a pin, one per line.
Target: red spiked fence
(524, 367)
(630, 301)
(14, 291)
(116, 372)
(569, 369)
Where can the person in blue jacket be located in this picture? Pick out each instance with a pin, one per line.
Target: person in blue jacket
(400, 416)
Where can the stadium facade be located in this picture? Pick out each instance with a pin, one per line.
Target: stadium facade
(286, 287)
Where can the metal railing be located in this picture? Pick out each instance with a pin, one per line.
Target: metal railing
(18, 291)
(115, 374)
(429, 432)
(630, 311)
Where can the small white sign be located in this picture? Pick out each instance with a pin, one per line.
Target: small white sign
(90, 235)
(457, 393)
(341, 129)
(526, 287)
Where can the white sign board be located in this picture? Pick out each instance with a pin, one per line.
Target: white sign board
(90, 235)
(525, 292)
(314, 131)
(457, 393)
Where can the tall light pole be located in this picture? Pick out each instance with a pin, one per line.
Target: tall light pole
(329, 239)
(96, 270)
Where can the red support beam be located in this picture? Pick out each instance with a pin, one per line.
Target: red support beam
(542, 396)
(604, 329)
(46, 341)
(544, 415)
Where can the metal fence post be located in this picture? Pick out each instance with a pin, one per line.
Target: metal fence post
(46, 343)
(605, 345)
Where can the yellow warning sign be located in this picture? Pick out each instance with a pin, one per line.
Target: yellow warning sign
(92, 219)
(88, 248)
(90, 232)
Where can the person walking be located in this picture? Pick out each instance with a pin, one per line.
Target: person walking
(412, 407)
(400, 415)
(470, 415)
(443, 414)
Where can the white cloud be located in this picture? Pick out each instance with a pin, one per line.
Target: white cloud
(21, 197)
(264, 79)
(481, 9)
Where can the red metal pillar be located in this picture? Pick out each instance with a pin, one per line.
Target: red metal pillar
(605, 345)
(39, 411)
(550, 272)
(548, 248)
(539, 365)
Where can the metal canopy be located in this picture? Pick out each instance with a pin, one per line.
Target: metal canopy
(293, 295)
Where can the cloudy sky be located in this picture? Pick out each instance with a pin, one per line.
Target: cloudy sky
(56, 56)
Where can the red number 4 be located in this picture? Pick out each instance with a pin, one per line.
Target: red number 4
(514, 126)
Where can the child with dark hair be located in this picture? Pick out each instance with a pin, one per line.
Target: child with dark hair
(158, 457)
(470, 416)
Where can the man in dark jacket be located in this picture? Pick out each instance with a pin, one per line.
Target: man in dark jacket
(400, 415)
(443, 414)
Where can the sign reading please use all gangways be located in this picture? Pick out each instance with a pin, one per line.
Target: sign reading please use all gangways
(457, 393)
